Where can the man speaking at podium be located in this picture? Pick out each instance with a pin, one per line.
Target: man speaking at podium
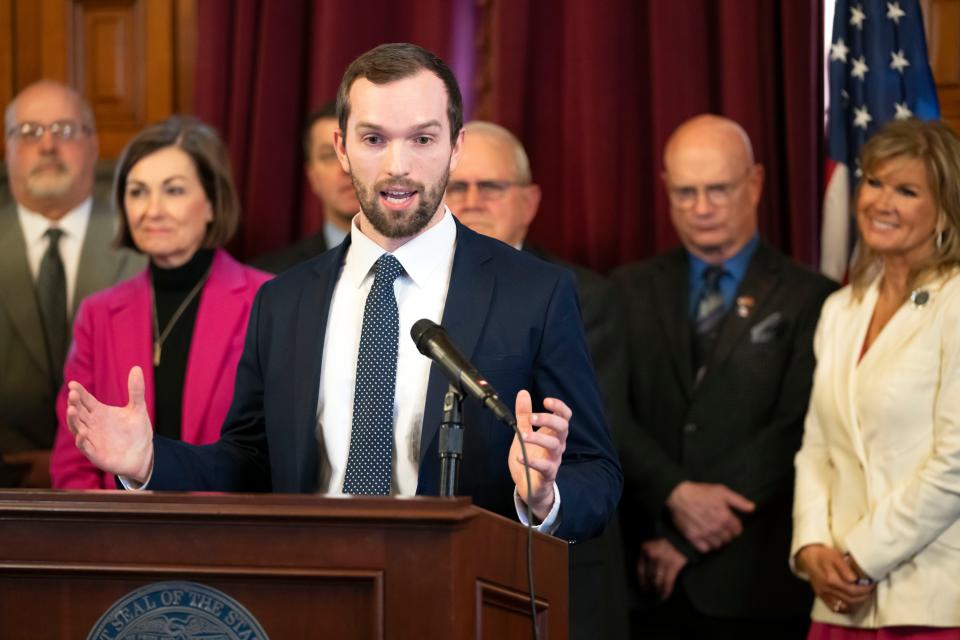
(332, 396)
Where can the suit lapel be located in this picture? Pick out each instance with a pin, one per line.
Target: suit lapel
(464, 315)
(17, 293)
(211, 341)
(758, 283)
(130, 322)
(312, 314)
(671, 292)
(99, 264)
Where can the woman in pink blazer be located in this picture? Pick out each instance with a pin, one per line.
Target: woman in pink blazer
(182, 320)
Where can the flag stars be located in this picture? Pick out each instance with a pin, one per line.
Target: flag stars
(894, 12)
(898, 61)
(903, 111)
(857, 16)
(861, 117)
(860, 68)
(839, 51)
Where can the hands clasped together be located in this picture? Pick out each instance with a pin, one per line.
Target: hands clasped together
(708, 516)
(835, 577)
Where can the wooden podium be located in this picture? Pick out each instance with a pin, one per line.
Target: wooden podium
(302, 566)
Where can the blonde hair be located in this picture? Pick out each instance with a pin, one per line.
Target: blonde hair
(937, 146)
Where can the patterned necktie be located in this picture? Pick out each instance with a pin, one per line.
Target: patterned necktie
(706, 324)
(370, 460)
(52, 295)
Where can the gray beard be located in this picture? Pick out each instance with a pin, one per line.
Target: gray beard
(49, 186)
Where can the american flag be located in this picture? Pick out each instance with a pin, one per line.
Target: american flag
(878, 71)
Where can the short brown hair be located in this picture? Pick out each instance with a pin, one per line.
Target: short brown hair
(326, 111)
(396, 61)
(210, 159)
(937, 146)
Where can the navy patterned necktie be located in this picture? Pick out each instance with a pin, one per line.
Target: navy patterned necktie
(52, 294)
(708, 316)
(370, 460)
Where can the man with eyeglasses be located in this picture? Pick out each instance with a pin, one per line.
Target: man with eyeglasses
(491, 190)
(54, 251)
(719, 339)
(330, 183)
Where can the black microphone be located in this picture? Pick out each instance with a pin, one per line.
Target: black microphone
(432, 341)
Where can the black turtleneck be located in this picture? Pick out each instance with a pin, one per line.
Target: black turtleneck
(171, 287)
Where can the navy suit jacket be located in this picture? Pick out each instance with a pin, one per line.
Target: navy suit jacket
(516, 317)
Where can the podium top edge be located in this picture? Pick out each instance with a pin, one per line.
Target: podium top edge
(52, 503)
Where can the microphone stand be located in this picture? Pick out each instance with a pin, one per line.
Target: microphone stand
(451, 442)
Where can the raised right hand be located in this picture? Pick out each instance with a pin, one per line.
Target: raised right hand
(704, 513)
(118, 440)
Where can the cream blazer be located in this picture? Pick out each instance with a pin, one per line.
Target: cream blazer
(878, 474)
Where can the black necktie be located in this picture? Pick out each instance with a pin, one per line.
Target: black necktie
(52, 294)
(370, 460)
(707, 316)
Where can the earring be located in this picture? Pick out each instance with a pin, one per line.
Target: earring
(939, 240)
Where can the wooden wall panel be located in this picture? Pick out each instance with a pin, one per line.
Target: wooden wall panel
(944, 46)
(6, 53)
(131, 59)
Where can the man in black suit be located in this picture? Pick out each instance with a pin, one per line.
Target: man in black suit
(720, 344)
(305, 418)
(491, 190)
(330, 183)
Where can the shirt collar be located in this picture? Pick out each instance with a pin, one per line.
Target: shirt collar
(73, 224)
(332, 234)
(420, 257)
(736, 266)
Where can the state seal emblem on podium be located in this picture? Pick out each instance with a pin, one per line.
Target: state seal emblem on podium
(177, 611)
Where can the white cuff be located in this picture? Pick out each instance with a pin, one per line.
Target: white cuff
(132, 485)
(551, 522)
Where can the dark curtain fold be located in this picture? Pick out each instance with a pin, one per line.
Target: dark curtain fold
(593, 89)
(262, 66)
(250, 85)
(598, 87)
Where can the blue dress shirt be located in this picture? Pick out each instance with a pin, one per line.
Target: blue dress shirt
(734, 270)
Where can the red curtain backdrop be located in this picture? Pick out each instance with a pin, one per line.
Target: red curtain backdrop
(262, 66)
(593, 89)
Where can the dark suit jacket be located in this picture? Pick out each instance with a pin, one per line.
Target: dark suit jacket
(740, 427)
(28, 388)
(516, 317)
(598, 606)
(283, 259)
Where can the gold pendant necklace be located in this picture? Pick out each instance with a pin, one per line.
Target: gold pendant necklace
(158, 336)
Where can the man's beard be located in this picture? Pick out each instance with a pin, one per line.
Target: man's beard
(49, 184)
(401, 224)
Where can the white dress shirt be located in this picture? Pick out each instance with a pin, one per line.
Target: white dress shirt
(421, 292)
(74, 227)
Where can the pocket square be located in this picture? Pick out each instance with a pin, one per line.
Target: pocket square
(767, 329)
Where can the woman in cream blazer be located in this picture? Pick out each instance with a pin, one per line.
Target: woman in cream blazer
(877, 499)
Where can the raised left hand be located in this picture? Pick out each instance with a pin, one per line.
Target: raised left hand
(545, 436)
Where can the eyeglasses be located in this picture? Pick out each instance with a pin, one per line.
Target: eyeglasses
(486, 189)
(719, 194)
(62, 130)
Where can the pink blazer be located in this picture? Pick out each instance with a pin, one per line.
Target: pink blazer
(112, 332)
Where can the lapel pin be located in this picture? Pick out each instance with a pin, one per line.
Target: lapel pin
(919, 297)
(744, 306)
